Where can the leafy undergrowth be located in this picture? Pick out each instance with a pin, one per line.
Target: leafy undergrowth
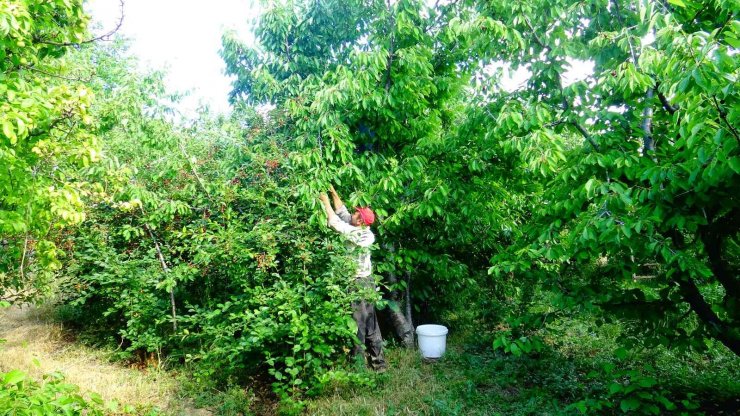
(579, 376)
(22, 396)
(582, 376)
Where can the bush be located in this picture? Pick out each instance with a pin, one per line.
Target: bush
(217, 243)
(22, 396)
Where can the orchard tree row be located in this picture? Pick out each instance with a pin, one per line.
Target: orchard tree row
(613, 195)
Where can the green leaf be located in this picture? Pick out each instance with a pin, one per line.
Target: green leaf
(590, 186)
(351, 324)
(112, 406)
(735, 164)
(9, 132)
(678, 3)
(514, 349)
(621, 353)
(14, 377)
(96, 398)
(629, 404)
(647, 382)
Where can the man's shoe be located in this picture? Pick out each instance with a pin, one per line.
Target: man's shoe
(379, 367)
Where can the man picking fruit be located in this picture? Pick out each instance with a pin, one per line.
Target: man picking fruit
(356, 228)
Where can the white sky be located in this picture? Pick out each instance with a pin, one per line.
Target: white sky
(183, 37)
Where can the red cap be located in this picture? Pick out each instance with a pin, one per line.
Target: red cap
(368, 216)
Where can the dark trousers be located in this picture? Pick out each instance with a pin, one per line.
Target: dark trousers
(368, 332)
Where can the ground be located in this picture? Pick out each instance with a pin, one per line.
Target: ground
(38, 345)
(468, 380)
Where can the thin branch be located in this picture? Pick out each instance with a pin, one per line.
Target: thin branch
(647, 123)
(192, 167)
(39, 131)
(556, 123)
(321, 146)
(618, 11)
(664, 101)
(389, 63)
(535, 37)
(566, 104)
(34, 69)
(17, 295)
(438, 18)
(408, 301)
(585, 135)
(287, 47)
(723, 116)
(164, 267)
(21, 270)
(104, 37)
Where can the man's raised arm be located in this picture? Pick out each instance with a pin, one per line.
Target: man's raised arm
(339, 207)
(327, 207)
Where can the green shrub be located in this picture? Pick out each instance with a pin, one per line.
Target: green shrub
(255, 285)
(23, 396)
(630, 391)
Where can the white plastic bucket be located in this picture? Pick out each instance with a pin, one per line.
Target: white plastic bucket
(432, 340)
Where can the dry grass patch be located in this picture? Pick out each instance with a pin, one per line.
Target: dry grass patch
(38, 346)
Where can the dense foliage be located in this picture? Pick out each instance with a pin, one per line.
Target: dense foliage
(610, 198)
(648, 208)
(457, 174)
(204, 253)
(43, 139)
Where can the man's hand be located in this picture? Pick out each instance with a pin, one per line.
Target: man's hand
(335, 197)
(327, 207)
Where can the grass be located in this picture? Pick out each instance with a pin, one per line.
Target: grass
(461, 383)
(468, 380)
(37, 345)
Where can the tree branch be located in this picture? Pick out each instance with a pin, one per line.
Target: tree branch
(663, 100)
(166, 269)
(585, 135)
(389, 62)
(647, 123)
(62, 77)
(712, 236)
(536, 38)
(103, 37)
(719, 329)
(618, 11)
(723, 116)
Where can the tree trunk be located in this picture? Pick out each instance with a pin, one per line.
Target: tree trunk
(720, 330)
(723, 331)
(400, 316)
